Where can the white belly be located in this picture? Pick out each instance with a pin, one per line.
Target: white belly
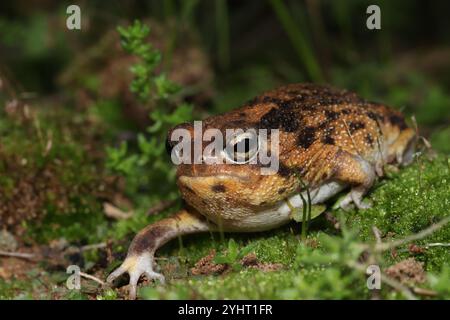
(281, 213)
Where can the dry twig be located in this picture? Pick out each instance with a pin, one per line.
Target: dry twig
(420, 235)
(90, 277)
(21, 255)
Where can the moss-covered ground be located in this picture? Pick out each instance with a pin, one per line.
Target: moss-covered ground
(404, 203)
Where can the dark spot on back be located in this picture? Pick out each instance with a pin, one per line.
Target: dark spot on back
(281, 190)
(323, 124)
(398, 121)
(218, 188)
(279, 118)
(369, 139)
(283, 170)
(331, 115)
(306, 137)
(328, 139)
(372, 115)
(346, 111)
(355, 126)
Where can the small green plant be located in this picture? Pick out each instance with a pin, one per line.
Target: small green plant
(349, 257)
(108, 294)
(233, 255)
(146, 84)
(441, 282)
(146, 163)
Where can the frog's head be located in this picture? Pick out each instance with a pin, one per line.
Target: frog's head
(230, 176)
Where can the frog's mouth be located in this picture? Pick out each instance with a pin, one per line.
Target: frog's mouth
(211, 188)
(221, 172)
(222, 177)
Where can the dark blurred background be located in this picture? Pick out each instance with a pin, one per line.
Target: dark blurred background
(246, 46)
(229, 50)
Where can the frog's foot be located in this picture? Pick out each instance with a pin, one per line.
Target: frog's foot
(360, 174)
(136, 266)
(139, 260)
(355, 196)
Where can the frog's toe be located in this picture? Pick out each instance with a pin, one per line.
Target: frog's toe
(362, 205)
(151, 275)
(355, 196)
(136, 266)
(346, 203)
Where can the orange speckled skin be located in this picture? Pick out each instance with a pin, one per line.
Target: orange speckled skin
(324, 135)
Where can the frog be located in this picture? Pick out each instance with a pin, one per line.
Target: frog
(331, 141)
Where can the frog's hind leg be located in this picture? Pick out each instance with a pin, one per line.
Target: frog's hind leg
(142, 249)
(353, 170)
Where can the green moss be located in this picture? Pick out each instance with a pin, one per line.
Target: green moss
(43, 158)
(440, 139)
(23, 289)
(409, 202)
(406, 203)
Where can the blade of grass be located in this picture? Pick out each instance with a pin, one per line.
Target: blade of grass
(341, 10)
(306, 210)
(188, 8)
(169, 8)
(298, 40)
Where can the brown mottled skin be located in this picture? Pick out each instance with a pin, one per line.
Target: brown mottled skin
(330, 139)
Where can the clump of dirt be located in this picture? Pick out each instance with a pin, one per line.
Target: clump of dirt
(407, 271)
(415, 249)
(251, 261)
(206, 265)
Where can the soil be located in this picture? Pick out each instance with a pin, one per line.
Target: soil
(206, 265)
(407, 271)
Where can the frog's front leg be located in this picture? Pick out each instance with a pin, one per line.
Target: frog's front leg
(142, 249)
(359, 174)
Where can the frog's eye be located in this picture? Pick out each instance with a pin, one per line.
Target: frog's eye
(242, 148)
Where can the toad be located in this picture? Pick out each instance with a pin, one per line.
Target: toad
(330, 140)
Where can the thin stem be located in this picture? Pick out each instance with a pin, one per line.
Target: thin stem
(298, 40)
(17, 255)
(222, 26)
(422, 234)
(90, 277)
